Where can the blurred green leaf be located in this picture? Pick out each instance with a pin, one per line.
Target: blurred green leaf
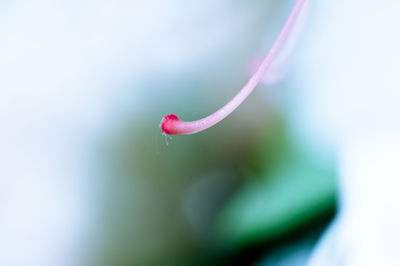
(279, 200)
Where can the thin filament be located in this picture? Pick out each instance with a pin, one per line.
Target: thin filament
(172, 125)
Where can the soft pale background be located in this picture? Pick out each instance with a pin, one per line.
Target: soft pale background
(86, 178)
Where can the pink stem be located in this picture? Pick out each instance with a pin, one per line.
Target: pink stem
(172, 125)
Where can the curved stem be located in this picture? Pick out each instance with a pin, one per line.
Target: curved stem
(172, 125)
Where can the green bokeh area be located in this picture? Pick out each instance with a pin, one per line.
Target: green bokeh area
(263, 188)
(277, 202)
(288, 189)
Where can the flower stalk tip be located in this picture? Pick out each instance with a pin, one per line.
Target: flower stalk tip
(168, 124)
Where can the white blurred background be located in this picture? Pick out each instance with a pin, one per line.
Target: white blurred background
(84, 84)
(73, 72)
